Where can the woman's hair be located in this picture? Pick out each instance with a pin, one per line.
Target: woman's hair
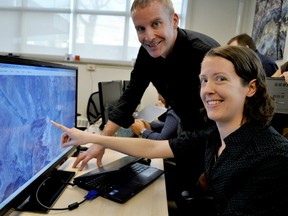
(259, 107)
(143, 3)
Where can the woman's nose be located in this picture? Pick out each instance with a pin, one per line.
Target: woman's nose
(208, 87)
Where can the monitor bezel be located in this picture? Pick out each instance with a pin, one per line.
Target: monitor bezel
(24, 194)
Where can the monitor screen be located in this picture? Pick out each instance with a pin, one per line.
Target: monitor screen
(109, 94)
(32, 93)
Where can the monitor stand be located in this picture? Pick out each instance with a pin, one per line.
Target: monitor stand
(48, 192)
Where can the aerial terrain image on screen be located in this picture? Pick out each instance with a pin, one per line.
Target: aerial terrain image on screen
(28, 140)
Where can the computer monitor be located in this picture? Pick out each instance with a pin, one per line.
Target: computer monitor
(109, 94)
(32, 93)
(277, 87)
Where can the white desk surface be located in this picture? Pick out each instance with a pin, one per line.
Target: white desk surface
(149, 202)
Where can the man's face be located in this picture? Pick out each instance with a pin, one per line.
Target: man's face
(156, 29)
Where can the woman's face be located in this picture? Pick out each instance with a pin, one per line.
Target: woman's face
(222, 92)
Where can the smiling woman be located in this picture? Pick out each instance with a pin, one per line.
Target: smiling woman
(237, 187)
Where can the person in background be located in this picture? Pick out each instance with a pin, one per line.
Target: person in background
(246, 160)
(170, 58)
(268, 63)
(166, 127)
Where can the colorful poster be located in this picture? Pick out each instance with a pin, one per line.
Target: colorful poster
(270, 27)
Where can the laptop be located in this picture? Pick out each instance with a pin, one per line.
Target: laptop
(120, 180)
(278, 89)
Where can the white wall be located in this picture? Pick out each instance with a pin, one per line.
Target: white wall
(216, 18)
(223, 19)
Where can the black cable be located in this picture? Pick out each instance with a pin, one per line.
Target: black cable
(68, 183)
(92, 194)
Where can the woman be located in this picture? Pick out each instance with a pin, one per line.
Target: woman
(246, 160)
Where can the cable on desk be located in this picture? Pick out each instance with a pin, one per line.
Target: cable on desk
(92, 194)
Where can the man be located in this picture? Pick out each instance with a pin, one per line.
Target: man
(170, 58)
(268, 63)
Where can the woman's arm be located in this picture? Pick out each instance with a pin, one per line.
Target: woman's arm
(132, 146)
(169, 128)
(277, 73)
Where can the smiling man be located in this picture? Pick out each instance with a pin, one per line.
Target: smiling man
(169, 58)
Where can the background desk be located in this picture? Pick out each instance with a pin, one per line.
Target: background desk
(151, 201)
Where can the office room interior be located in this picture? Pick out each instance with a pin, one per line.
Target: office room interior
(65, 32)
(220, 19)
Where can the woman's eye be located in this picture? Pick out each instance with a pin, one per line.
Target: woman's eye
(203, 81)
(220, 78)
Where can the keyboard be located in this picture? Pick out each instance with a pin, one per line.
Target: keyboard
(109, 181)
(119, 184)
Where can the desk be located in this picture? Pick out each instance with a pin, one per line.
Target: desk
(151, 201)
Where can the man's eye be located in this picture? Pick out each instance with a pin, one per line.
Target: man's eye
(156, 24)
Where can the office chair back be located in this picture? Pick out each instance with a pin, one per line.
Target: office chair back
(93, 108)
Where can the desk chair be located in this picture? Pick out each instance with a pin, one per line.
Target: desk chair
(93, 108)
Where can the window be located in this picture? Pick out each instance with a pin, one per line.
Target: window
(99, 29)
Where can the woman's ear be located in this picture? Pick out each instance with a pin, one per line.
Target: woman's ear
(252, 88)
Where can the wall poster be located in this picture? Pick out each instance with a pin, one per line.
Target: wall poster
(270, 27)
